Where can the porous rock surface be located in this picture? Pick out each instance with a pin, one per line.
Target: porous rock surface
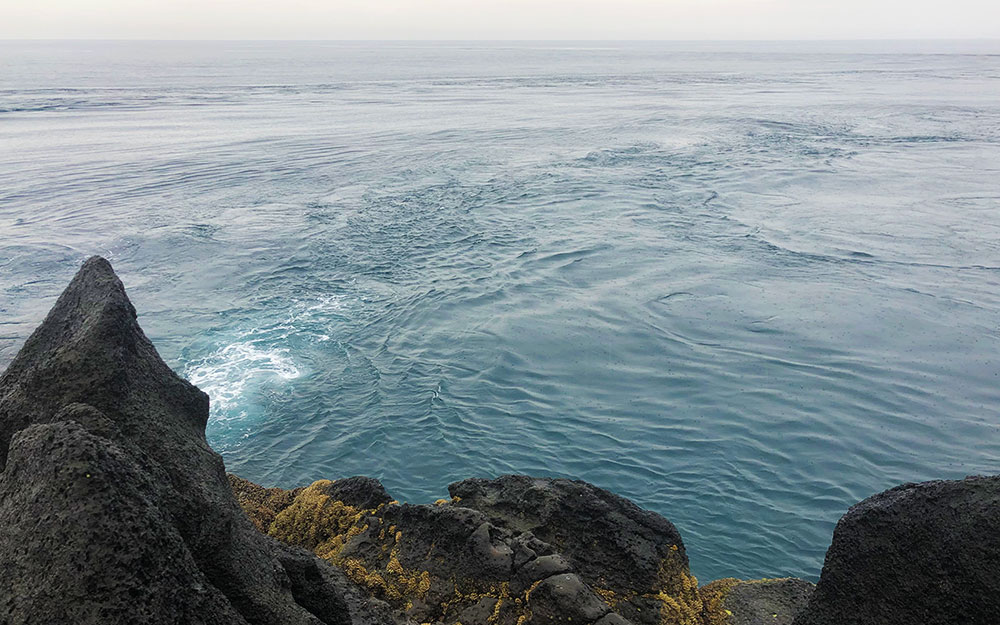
(919, 553)
(755, 602)
(113, 507)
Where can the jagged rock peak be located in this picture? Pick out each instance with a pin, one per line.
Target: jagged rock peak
(90, 350)
(113, 507)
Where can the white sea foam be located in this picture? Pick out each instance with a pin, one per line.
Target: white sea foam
(227, 374)
(260, 355)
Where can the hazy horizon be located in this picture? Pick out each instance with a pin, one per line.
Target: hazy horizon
(502, 20)
(524, 40)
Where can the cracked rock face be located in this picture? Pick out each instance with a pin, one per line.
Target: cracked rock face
(633, 557)
(918, 553)
(114, 508)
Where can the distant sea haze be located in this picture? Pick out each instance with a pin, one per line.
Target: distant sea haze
(745, 285)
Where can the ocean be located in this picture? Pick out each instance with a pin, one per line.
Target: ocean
(745, 285)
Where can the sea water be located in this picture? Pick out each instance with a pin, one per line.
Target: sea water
(745, 285)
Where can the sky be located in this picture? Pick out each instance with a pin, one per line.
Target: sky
(499, 19)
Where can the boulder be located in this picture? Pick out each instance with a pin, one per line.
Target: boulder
(84, 542)
(919, 553)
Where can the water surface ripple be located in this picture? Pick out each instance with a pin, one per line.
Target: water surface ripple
(745, 287)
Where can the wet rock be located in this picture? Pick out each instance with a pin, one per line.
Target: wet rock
(154, 534)
(920, 553)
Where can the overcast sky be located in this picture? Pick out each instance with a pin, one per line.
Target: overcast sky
(499, 19)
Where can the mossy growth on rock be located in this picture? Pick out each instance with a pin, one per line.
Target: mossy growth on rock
(677, 597)
(713, 597)
(318, 522)
(261, 504)
(680, 601)
(325, 525)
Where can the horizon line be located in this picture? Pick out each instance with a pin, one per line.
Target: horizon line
(507, 40)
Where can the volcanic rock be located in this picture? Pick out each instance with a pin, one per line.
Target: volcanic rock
(114, 508)
(919, 553)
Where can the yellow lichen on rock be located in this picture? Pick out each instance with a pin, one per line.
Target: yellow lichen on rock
(318, 522)
(469, 592)
(261, 504)
(324, 525)
(680, 601)
(609, 596)
(713, 596)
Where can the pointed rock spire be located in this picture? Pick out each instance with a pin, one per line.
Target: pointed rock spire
(104, 465)
(90, 350)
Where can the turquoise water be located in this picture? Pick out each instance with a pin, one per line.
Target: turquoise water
(745, 285)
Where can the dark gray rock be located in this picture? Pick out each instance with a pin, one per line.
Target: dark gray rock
(925, 554)
(154, 534)
(612, 544)
(360, 492)
(766, 602)
(542, 567)
(612, 618)
(565, 598)
(312, 580)
(82, 541)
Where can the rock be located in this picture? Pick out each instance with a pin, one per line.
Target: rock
(360, 492)
(312, 580)
(477, 559)
(261, 504)
(565, 598)
(756, 602)
(919, 553)
(83, 542)
(115, 509)
(632, 557)
(541, 568)
(612, 618)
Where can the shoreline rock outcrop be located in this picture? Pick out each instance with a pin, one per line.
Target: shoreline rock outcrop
(115, 510)
(918, 553)
(113, 506)
(511, 551)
